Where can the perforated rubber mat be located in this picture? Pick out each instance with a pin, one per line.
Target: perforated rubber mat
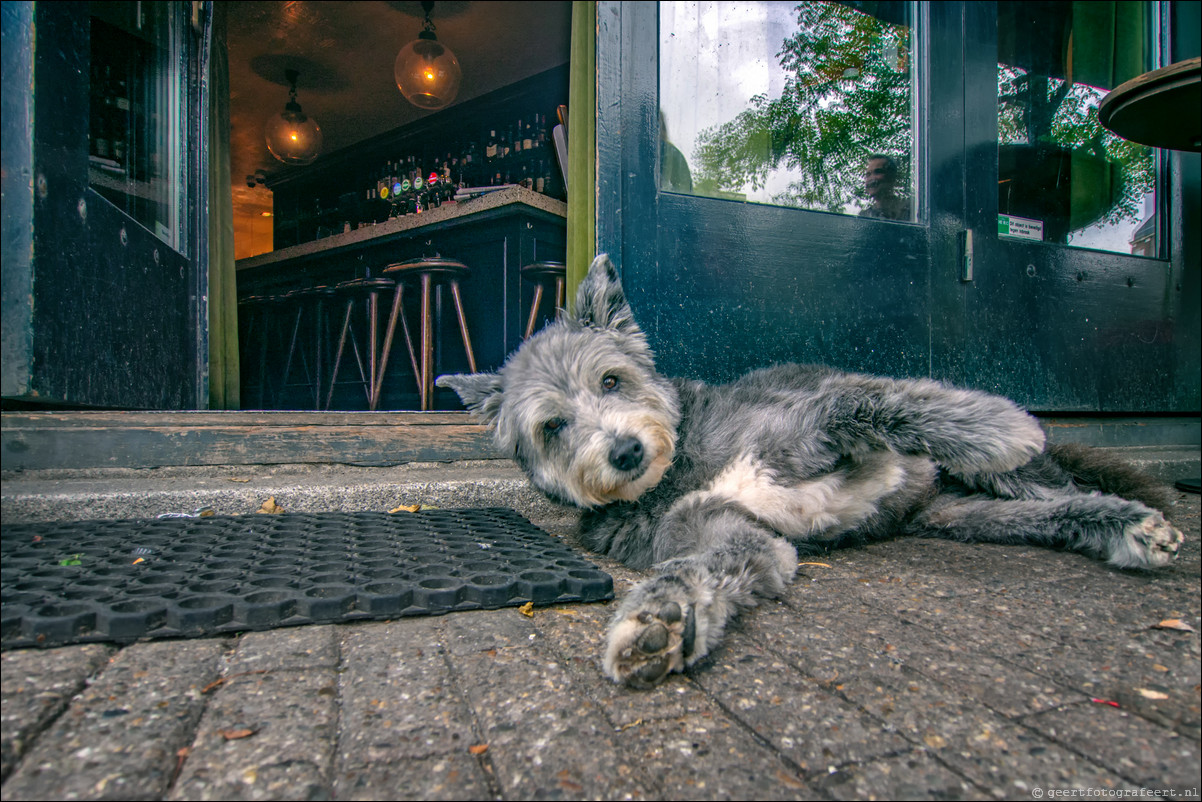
(81, 581)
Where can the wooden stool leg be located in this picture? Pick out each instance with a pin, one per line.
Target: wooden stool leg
(378, 378)
(560, 300)
(346, 324)
(534, 305)
(427, 344)
(467, 341)
(373, 306)
(319, 319)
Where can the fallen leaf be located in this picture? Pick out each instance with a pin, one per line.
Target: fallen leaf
(1147, 693)
(269, 506)
(787, 779)
(236, 734)
(236, 479)
(478, 749)
(1159, 667)
(934, 741)
(139, 560)
(527, 609)
(406, 508)
(1174, 623)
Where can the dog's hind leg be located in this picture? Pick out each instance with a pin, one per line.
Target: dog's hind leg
(677, 617)
(967, 431)
(1126, 534)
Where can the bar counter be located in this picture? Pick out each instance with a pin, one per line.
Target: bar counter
(494, 235)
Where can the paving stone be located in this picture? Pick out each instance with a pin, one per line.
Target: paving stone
(811, 727)
(1124, 743)
(36, 687)
(398, 699)
(546, 740)
(288, 648)
(477, 631)
(119, 738)
(911, 775)
(1013, 762)
(457, 776)
(680, 755)
(265, 736)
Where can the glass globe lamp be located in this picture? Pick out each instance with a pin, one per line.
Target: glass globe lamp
(292, 136)
(426, 71)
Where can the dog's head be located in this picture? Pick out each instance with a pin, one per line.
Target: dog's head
(580, 405)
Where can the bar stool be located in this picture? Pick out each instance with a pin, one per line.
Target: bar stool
(310, 339)
(429, 272)
(365, 291)
(543, 274)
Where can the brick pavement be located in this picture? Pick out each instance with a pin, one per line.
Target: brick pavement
(908, 669)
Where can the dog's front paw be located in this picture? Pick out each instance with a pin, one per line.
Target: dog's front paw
(1151, 542)
(647, 645)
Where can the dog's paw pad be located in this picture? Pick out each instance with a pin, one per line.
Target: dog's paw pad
(644, 648)
(1152, 542)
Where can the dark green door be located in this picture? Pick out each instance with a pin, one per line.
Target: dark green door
(773, 241)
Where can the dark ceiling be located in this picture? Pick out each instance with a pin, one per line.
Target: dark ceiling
(344, 52)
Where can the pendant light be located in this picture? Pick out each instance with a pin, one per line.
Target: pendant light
(426, 71)
(292, 136)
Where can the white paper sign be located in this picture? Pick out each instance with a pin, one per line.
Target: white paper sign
(1019, 227)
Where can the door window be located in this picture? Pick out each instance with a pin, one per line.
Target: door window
(1062, 177)
(811, 105)
(134, 132)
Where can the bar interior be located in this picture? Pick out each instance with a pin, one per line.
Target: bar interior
(433, 246)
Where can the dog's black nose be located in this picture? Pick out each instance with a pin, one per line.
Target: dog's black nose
(626, 454)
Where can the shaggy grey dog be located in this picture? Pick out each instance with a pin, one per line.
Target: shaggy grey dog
(720, 487)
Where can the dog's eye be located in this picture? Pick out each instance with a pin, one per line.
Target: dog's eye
(554, 425)
(609, 383)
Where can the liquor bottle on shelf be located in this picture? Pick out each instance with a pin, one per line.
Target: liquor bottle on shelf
(528, 136)
(490, 148)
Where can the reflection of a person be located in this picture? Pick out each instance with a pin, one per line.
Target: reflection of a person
(880, 183)
(674, 175)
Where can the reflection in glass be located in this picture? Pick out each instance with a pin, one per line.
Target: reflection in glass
(133, 136)
(808, 104)
(1062, 177)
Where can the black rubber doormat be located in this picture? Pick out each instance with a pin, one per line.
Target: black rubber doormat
(83, 581)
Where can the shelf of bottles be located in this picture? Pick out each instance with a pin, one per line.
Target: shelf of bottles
(519, 153)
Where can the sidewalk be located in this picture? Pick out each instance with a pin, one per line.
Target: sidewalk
(908, 669)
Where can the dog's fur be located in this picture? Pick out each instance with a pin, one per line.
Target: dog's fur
(720, 487)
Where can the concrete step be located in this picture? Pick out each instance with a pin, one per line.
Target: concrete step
(229, 490)
(235, 490)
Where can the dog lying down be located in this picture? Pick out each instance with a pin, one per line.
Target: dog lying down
(720, 488)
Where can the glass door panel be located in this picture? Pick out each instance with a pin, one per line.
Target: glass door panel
(811, 105)
(135, 131)
(1062, 177)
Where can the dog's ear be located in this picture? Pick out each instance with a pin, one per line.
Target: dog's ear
(479, 392)
(600, 301)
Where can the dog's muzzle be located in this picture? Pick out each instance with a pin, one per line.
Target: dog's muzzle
(626, 454)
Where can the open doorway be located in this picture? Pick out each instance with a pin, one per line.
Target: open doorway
(393, 182)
